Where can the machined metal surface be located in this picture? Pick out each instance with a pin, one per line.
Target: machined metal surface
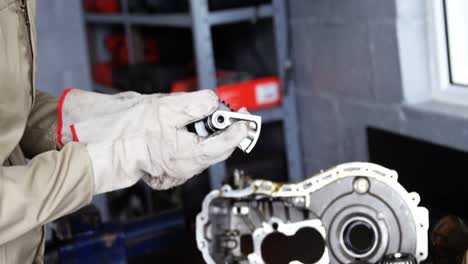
(398, 258)
(360, 210)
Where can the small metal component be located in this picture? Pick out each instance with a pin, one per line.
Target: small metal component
(203, 128)
(361, 185)
(299, 201)
(399, 258)
(223, 118)
(241, 210)
(229, 243)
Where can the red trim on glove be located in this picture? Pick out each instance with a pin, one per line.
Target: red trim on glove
(60, 120)
(73, 131)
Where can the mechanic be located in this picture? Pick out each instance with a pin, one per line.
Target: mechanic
(84, 143)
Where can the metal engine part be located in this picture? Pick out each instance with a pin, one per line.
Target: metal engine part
(399, 258)
(352, 212)
(223, 118)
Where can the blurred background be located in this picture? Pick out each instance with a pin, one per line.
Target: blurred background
(334, 80)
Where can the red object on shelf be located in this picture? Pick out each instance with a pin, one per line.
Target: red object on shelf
(151, 50)
(102, 74)
(253, 94)
(101, 6)
(117, 45)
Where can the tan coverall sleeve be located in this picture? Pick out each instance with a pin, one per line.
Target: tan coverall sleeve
(53, 184)
(40, 132)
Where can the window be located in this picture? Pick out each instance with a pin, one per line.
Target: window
(456, 19)
(448, 43)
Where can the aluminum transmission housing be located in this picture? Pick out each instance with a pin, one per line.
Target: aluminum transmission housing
(354, 211)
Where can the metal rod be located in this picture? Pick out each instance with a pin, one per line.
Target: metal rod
(280, 21)
(205, 66)
(203, 44)
(290, 124)
(128, 31)
(236, 15)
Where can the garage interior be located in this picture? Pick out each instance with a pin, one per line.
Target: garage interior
(357, 81)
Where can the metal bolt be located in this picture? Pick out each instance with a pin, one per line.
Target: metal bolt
(361, 185)
(299, 201)
(229, 244)
(380, 216)
(266, 186)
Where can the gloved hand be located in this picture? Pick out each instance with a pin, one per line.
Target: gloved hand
(78, 106)
(148, 138)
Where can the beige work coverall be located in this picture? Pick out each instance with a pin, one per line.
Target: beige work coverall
(53, 183)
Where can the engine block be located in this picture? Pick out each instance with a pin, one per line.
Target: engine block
(352, 212)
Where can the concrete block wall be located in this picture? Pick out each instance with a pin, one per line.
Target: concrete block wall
(61, 56)
(356, 64)
(346, 68)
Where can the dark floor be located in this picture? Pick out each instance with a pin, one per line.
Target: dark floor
(185, 252)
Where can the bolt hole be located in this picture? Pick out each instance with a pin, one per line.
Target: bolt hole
(359, 237)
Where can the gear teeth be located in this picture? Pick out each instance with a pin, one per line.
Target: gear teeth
(399, 258)
(225, 106)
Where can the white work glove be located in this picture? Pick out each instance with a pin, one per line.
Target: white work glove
(77, 106)
(147, 137)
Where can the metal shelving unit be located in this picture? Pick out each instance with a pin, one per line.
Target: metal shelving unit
(200, 20)
(185, 20)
